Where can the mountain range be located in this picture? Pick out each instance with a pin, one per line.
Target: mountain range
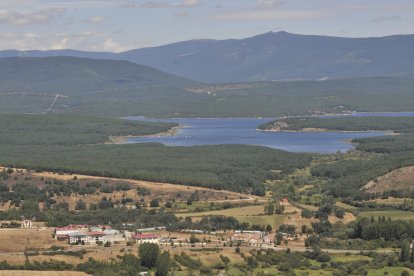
(267, 57)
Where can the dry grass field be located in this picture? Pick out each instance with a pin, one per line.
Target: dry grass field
(401, 179)
(17, 240)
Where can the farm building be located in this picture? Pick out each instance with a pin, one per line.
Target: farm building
(86, 238)
(146, 238)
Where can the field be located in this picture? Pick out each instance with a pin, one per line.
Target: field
(389, 271)
(349, 258)
(393, 201)
(273, 220)
(394, 215)
(18, 240)
(251, 214)
(241, 211)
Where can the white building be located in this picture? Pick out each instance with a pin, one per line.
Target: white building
(27, 223)
(86, 238)
(146, 238)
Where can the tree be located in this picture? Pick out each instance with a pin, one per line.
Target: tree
(279, 238)
(251, 263)
(163, 264)
(269, 228)
(225, 260)
(80, 205)
(269, 209)
(405, 252)
(339, 213)
(148, 253)
(193, 239)
(154, 203)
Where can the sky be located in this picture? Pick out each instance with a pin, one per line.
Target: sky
(116, 26)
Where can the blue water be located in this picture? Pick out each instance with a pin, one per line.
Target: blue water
(196, 132)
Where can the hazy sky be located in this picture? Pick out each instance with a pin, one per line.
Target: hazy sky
(109, 25)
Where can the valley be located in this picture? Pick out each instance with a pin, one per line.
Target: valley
(276, 154)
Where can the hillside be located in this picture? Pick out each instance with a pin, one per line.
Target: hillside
(79, 74)
(37, 85)
(120, 88)
(268, 57)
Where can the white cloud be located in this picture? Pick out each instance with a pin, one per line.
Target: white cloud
(84, 40)
(96, 19)
(268, 3)
(112, 46)
(44, 16)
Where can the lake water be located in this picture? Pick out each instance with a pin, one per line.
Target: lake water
(196, 132)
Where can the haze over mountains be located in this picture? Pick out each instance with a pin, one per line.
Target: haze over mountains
(267, 57)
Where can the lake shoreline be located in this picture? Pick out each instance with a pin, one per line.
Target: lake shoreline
(119, 140)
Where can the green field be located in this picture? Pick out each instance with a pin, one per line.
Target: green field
(274, 220)
(394, 215)
(389, 271)
(349, 258)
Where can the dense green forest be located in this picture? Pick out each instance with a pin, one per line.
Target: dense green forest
(69, 144)
(70, 129)
(347, 123)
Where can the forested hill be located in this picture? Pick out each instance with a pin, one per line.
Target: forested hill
(268, 57)
(77, 75)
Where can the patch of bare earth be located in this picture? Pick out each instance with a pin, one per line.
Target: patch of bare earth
(348, 217)
(401, 179)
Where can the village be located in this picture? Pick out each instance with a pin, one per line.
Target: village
(106, 235)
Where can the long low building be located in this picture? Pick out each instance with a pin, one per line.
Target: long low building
(146, 238)
(86, 238)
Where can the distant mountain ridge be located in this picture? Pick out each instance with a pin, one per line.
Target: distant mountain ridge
(77, 75)
(268, 57)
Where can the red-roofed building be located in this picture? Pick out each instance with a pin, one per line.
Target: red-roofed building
(146, 238)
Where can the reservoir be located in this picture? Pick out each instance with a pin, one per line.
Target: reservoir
(197, 132)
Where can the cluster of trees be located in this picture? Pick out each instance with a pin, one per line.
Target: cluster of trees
(274, 208)
(348, 123)
(382, 228)
(215, 223)
(344, 178)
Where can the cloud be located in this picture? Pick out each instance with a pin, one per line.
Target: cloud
(391, 18)
(96, 19)
(268, 15)
(44, 16)
(162, 4)
(268, 3)
(93, 41)
(111, 46)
